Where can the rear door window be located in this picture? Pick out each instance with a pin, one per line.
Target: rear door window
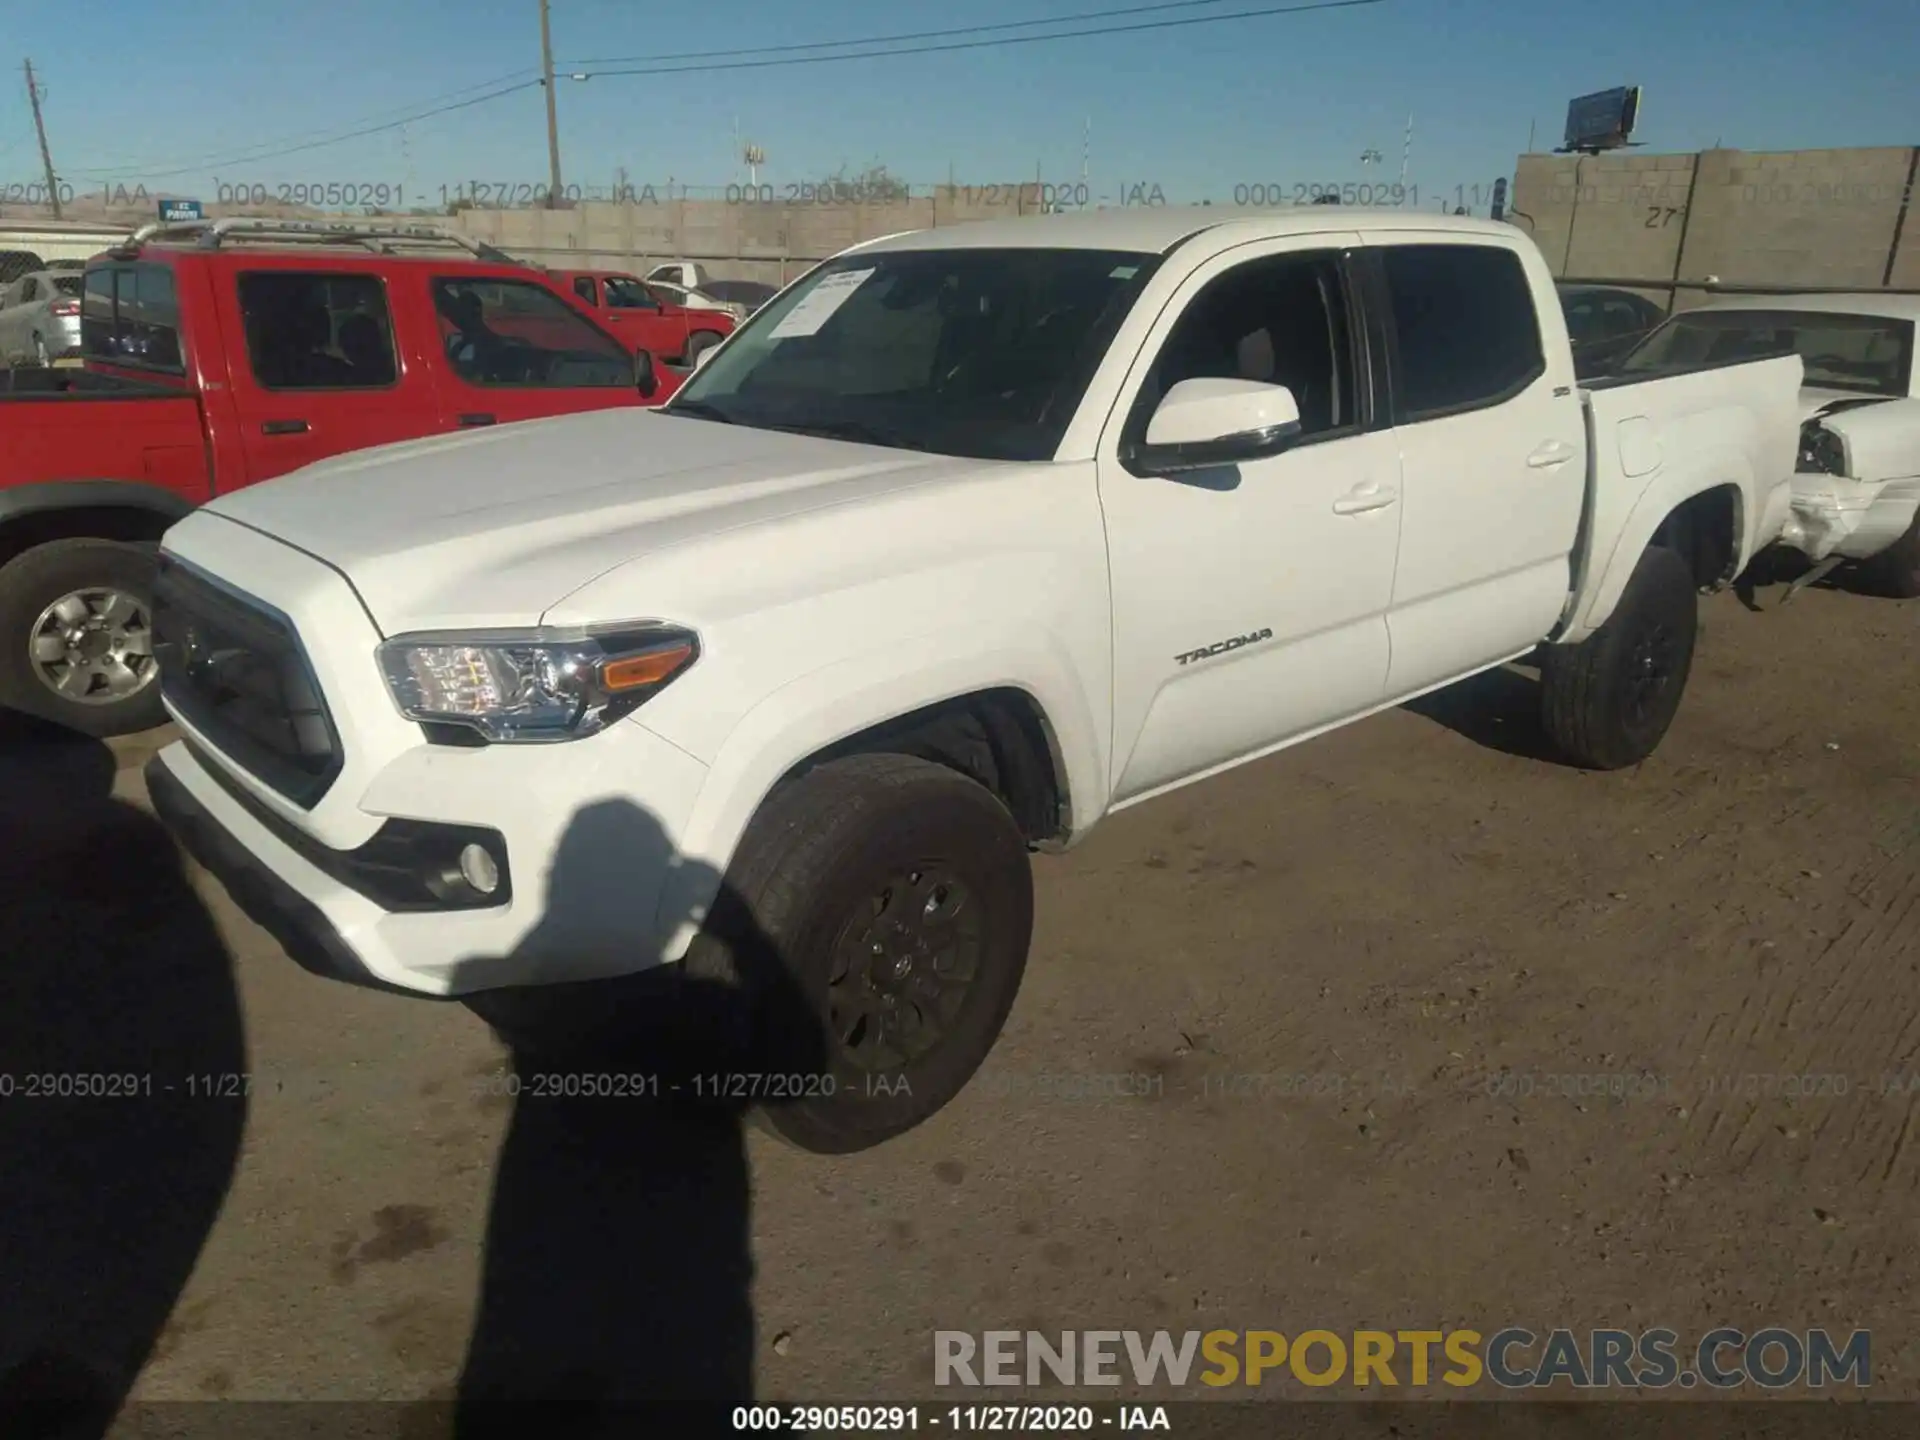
(1465, 332)
(321, 331)
(583, 287)
(130, 316)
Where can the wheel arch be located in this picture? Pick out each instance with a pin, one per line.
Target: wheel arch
(125, 510)
(1026, 736)
(1705, 516)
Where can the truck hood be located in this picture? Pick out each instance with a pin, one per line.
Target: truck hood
(1814, 400)
(492, 528)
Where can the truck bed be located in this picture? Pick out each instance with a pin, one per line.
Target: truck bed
(1656, 439)
(75, 425)
(46, 382)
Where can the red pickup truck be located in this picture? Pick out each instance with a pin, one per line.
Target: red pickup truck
(645, 316)
(218, 354)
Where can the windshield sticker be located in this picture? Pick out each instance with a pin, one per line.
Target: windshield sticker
(1124, 272)
(818, 306)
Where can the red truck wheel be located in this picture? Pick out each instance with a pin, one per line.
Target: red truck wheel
(76, 636)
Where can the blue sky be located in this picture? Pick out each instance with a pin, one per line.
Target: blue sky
(174, 96)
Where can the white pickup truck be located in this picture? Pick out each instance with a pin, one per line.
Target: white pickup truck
(1856, 494)
(965, 541)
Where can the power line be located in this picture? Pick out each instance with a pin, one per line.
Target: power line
(274, 150)
(893, 39)
(521, 79)
(993, 43)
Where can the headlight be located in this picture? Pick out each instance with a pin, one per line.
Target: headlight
(1821, 451)
(534, 685)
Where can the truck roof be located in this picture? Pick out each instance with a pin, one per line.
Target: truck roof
(1157, 229)
(390, 239)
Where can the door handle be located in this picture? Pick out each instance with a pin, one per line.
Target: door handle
(1360, 500)
(283, 427)
(476, 418)
(1554, 452)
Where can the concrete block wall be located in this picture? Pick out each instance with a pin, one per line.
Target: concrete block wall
(1805, 217)
(771, 243)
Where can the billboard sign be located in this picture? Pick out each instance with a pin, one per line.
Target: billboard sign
(1603, 120)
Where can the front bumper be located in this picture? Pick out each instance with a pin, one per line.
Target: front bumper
(1856, 519)
(588, 867)
(271, 902)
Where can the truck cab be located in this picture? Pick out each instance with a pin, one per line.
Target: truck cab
(647, 317)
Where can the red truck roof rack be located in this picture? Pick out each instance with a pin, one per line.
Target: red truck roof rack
(384, 237)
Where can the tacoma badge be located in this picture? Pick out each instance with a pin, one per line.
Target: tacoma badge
(1207, 652)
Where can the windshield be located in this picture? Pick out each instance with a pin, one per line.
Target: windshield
(1868, 353)
(66, 284)
(982, 353)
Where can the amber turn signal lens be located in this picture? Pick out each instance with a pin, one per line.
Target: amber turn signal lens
(635, 672)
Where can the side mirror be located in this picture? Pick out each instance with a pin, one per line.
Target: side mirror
(1200, 424)
(644, 379)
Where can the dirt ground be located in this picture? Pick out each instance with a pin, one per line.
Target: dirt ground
(1402, 912)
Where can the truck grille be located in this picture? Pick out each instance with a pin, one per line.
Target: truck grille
(233, 668)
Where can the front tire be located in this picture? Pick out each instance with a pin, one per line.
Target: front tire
(76, 636)
(1608, 701)
(1895, 571)
(875, 922)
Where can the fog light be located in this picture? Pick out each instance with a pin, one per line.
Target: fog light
(478, 870)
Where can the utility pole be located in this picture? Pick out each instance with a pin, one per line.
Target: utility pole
(553, 119)
(46, 155)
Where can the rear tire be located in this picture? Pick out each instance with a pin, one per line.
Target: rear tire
(85, 572)
(875, 923)
(698, 344)
(1895, 571)
(1608, 701)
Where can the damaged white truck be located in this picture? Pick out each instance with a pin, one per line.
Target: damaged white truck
(1856, 490)
(966, 540)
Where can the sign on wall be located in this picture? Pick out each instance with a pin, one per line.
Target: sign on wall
(1603, 120)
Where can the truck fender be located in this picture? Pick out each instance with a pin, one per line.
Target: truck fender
(53, 495)
(829, 704)
(1666, 492)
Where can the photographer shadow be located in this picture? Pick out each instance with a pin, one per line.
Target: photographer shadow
(617, 1274)
(117, 1144)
